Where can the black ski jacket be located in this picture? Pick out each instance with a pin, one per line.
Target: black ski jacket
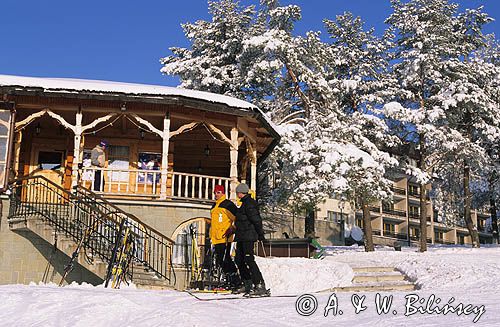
(248, 221)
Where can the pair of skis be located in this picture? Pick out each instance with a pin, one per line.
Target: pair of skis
(121, 258)
(202, 296)
(74, 256)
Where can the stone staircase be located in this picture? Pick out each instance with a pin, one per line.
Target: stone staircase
(145, 279)
(142, 278)
(377, 279)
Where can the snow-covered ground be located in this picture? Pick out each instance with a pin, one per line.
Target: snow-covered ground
(450, 275)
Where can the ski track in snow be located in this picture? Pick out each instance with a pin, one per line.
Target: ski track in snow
(470, 276)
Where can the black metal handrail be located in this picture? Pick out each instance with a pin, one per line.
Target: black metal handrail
(75, 213)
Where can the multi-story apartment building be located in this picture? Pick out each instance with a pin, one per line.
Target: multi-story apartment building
(396, 220)
(399, 219)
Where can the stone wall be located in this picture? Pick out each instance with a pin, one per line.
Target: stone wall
(24, 257)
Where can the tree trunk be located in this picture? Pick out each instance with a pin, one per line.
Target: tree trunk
(423, 219)
(494, 219)
(423, 200)
(309, 224)
(493, 209)
(367, 223)
(467, 207)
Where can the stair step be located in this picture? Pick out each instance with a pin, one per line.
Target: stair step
(154, 287)
(377, 278)
(374, 288)
(373, 269)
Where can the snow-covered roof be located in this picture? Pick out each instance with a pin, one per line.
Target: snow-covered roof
(78, 85)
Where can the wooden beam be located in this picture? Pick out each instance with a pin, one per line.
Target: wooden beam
(223, 136)
(62, 121)
(78, 130)
(252, 151)
(233, 153)
(184, 128)
(97, 121)
(243, 127)
(17, 151)
(147, 124)
(164, 156)
(19, 125)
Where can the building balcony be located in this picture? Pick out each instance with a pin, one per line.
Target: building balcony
(394, 212)
(398, 191)
(148, 183)
(417, 195)
(414, 215)
(399, 236)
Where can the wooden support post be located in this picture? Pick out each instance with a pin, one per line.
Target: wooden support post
(17, 152)
(76, 150)
(233, 174)
(164, 156)
(253, 167)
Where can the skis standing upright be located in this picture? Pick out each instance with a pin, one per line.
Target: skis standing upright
(121, 256)
(85, 237)
(124, 258)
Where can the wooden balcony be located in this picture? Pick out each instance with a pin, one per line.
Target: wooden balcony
(147, 183)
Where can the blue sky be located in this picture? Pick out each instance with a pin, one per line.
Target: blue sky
(123, 40)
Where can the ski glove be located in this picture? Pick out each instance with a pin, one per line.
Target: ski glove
(261, 237)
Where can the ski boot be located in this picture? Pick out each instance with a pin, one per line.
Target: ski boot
(245, 287)
(259, 290)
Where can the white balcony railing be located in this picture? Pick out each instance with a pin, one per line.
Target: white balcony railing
(139, 182)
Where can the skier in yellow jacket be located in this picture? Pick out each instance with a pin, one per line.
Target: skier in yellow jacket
(223, 214)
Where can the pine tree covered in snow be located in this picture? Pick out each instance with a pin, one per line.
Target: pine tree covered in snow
(340, 99)
(489, 176)
(425, 40)
(443, 88)
(211, 62)
(334, 150)
(331, 150)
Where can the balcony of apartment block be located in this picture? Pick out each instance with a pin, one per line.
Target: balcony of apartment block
(394, 213)
(374, 210)
(398, 192)
(415, 195)
(443, 241)
(398, 236)
(416, 238)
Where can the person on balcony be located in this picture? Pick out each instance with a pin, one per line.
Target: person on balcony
(98, 160)
(248, 231)
(223, 214)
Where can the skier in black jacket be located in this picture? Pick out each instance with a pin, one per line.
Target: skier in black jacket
(248, 230)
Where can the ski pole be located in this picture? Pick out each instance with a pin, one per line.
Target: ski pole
(263, 249)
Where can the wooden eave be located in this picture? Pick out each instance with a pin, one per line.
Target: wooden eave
(158, 103)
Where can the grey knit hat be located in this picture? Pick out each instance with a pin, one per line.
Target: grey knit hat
(242, 188)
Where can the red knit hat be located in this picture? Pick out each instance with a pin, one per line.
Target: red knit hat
(219, 188)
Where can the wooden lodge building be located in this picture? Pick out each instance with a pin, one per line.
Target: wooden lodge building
(167, 148)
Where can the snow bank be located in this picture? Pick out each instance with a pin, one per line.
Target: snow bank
(440, 268)
(292, 276)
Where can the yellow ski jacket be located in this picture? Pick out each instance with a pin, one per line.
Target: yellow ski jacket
(222, 214)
